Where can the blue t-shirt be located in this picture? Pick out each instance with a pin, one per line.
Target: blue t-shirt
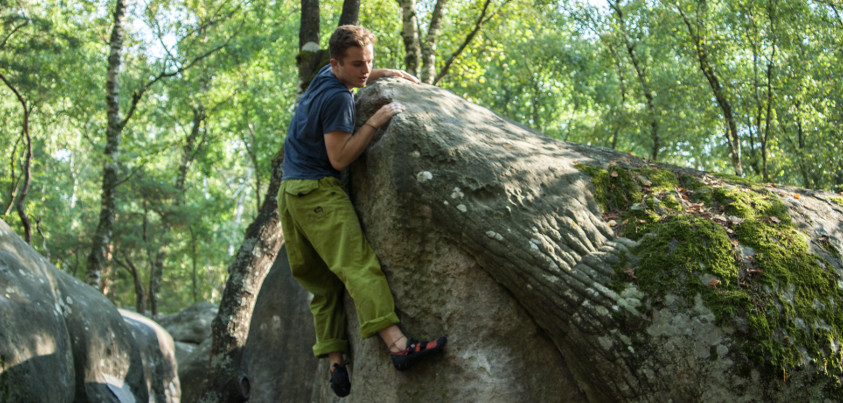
(327, 105)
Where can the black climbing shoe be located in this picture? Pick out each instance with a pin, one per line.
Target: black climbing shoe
(415, 351)
(340, 382)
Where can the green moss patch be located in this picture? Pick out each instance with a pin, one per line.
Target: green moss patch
(737, 248)
(751, 204)
(615, 188)
(686, 255)
(733, 178)
(797, 300)
(634, 199)
(838, 200)
(826, 244)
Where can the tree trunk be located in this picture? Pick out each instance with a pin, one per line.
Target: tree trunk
(140, 297)
(263, 240)
(20, 200)
(430, 41)
(717, 89)
(102, 237)
(152, 299)
(194, 280)
(767, 121)
(420, 58)
(478, 24)
(20, 203)
(191, 149)
(192, 145)
(800, 145)
(350, 12)
(311, 57)
(622, 87)
(838, 178)
(768, 118)
(224, 380)
(641, 72)
(410, 34)
(249, 143)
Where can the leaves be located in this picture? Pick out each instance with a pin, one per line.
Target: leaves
(562, 70)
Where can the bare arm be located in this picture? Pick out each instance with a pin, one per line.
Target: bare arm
(343, 147)
(381, 73)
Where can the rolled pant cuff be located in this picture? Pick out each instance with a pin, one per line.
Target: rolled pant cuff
(323, 348)
(372, 327)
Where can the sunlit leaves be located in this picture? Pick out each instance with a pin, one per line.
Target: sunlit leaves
(559, 67)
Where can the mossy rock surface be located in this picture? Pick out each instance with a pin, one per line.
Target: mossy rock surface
(734, 244)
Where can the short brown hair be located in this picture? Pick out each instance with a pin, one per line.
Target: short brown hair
(347, 36)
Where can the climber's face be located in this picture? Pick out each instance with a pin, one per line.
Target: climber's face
(355, 66)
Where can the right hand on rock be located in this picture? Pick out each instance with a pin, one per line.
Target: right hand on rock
(385, 113)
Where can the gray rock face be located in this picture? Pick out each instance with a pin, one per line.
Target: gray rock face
(191, 331)
(158, 355)
(192, 325)
(192, 371)
(496, 352)
(34, 340)
(277, 358)
(489, 233)
(63, 341)
(447, 192)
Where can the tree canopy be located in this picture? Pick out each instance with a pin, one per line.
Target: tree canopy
(206, 89)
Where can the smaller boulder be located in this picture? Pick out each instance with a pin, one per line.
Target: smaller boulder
(192, 325)
(157, 351)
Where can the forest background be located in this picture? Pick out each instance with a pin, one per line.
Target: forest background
(138, 136)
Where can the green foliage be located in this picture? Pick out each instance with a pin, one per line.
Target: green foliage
(246, 91)
(562, 68)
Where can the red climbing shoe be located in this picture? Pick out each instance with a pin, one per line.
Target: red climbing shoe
(416, 351)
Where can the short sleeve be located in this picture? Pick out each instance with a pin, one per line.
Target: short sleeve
(339, 113)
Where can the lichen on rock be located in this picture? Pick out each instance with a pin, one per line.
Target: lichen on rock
(734, 248)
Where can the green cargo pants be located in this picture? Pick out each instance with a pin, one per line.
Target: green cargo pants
(327, 254)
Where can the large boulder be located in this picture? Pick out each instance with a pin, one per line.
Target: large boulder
(626, 280)
(34, 340)
(63, 341)
(563, 272)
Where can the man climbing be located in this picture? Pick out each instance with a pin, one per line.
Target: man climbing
(325, 244)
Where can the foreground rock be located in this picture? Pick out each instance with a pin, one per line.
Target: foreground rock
(62, 341)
